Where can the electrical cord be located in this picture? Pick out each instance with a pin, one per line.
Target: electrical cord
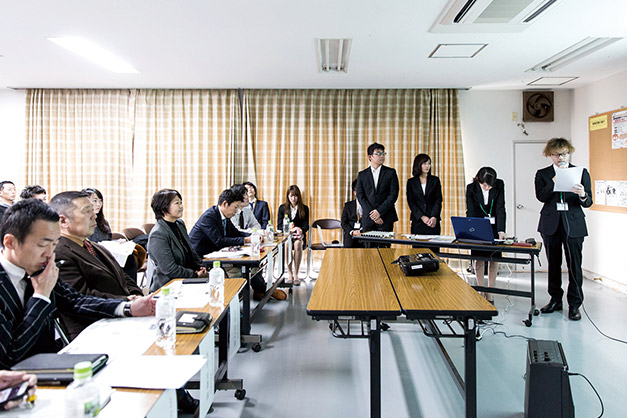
(594, 389)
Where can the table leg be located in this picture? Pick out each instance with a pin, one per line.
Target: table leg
(470, 366)
(246, 302)
(374, 341)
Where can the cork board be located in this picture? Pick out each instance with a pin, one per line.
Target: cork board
(608, 160)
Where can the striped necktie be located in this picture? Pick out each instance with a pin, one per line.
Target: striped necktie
(89, 248)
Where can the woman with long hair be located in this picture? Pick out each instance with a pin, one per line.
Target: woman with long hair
(298, 215)
(424, 197)
(103, 229)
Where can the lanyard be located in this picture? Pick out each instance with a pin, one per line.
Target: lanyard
(561, 197)
(483, 210)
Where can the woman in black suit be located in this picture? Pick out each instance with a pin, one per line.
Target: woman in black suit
(563, 224)
(424, 197)
(298, 215)
(485, 198)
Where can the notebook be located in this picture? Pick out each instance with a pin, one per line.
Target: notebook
(473, 230)
(58, 369)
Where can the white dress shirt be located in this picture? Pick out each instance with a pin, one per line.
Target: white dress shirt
(375, 175)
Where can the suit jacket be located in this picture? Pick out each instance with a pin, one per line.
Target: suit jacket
(208, 236)
(495, 206)
(427, 203)
(3, 208)
(262, 213)
(302, 223)
(574, 218)
(166, 255)
(28, 330)
(99, 276)
(382, 198)
(349, 217)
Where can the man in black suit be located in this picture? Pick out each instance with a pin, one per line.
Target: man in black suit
(351, 220)
(563, 224)
(377, 191)
(88, 267)
(30, 292)
(7, 196)
(259, 207)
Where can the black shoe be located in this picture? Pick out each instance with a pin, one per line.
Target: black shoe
(551, 307)
(573, 313)
(186, 402)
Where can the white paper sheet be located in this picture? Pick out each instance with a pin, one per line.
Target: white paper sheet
(566, 178)
(119, 250)
(150, 372)
(230, 254)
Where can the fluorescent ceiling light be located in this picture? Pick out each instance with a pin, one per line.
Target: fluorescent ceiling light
(572, 53)
(456, 50)
(552, 81)
(94, 53)
(333, 55)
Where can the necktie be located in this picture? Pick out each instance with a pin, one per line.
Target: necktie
(224, 226)
(89, 248)
(241, 220)
(28, 292)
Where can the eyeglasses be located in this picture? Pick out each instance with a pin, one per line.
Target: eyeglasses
(380, 154)
(563, 154)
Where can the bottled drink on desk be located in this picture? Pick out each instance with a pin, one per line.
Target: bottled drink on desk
(216, 286)
(270, 232)
(165, 312)
(82, 396)
(255, 240)
(286, 224)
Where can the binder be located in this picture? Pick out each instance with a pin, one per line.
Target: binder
(189, 322)
(58, 369)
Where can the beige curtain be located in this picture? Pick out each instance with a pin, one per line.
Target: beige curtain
(82, 138)
(184, 140)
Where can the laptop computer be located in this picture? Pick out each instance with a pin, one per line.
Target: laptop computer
(473, 230)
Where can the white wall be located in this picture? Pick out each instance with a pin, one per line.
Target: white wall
(604, 248)
(488, 133)
(13, 136)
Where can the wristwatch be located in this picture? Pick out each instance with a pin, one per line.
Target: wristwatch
(126, 310)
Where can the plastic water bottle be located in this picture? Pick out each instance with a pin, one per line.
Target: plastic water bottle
(166, 320)
(270, 232)
(255, 240)
(82, 396)
(216, 286)
(286, 224)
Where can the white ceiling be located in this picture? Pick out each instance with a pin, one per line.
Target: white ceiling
(271, 44)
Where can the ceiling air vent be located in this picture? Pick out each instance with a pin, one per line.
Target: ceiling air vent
(333, 55)
(490, 16)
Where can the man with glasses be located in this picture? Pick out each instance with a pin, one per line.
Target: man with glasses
(377, 192)
(563, 224)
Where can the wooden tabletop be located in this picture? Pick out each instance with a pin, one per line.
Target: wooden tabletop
(431, 294)
(187, 343)
(352, 281)
(265, 250)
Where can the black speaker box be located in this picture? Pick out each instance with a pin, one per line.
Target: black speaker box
(547, 389)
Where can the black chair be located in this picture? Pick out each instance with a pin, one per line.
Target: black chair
(317, 227)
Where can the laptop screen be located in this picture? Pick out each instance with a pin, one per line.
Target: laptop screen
(472, 229)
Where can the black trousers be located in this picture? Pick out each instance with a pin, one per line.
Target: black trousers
(573, 248)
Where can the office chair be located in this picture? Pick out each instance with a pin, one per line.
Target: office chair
(319, 225)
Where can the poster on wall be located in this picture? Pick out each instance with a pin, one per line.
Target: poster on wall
(619, 130)
(622, 194)
(599, 192)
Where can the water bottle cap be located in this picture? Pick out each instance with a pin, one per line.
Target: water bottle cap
(82, 370)
(165, 291)
(254, 230)
(216, 264)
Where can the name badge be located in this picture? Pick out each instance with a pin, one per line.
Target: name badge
(357, 225)
(562, 206)
(492, 219)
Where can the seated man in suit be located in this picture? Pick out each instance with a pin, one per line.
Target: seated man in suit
(34, 192)
(244, 220)
(213, 231)
(351, 220)
(259, 207)
(7, 196)
(377, 191)
(87, 266)
(30, 292)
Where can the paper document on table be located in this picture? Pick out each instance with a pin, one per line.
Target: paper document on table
(150, 372)
(51, 403)
(119, 250)
(442, 238)
(193, 296)
(566, 178)
(229, 254)
(115, 337)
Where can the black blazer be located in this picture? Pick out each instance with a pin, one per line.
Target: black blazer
(496, 201)
(381, 199)
(575, 219)
(349, 217)
(262, 213)
(302, 223)
(427, 203)
(208, 236)
(28, 330)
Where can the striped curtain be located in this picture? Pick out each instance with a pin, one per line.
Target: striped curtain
(82, 138)
(185, 140)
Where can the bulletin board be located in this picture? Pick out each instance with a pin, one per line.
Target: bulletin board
(608, 160)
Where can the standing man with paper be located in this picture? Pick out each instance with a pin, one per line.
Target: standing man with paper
(562, 224)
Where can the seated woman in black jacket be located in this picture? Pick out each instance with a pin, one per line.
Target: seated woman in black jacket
(298, 216)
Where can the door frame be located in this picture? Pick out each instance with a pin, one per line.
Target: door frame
(514, 143)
